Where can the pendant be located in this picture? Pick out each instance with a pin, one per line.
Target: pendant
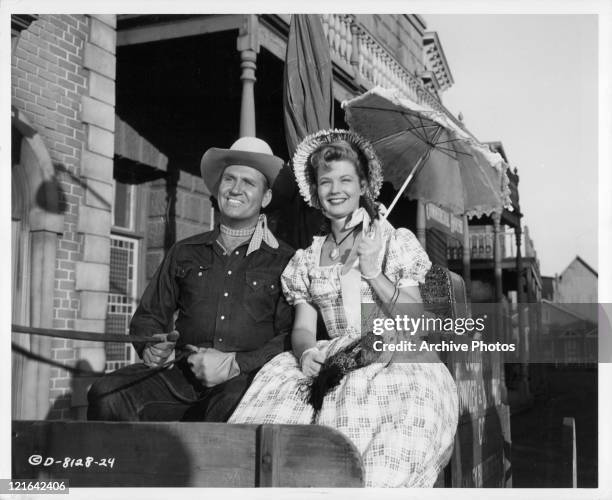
(334, 254)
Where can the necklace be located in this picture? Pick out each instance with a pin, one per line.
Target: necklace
(335, 252)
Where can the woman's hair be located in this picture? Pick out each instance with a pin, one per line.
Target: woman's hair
(325, 154)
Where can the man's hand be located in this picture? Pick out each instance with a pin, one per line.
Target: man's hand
(155, 355)
(213, 367)
(311, 361)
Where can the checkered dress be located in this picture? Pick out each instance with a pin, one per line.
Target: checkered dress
(401, 417)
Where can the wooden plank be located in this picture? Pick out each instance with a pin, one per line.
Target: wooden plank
(267, 456)
(145, 454)
(329, 456)
(180, 28)
(184, 454)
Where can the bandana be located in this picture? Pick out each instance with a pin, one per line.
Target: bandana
(261, 233)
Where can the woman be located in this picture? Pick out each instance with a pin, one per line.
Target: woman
(401, 416)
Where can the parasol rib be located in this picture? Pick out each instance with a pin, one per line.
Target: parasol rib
(414, 171)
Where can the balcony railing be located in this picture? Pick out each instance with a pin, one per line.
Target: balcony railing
(482, 247)
(360, 54)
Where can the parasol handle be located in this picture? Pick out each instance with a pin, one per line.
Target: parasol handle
(420, 161)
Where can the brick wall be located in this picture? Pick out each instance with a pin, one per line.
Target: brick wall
(192, 215)
(63, 70)
(48, 81)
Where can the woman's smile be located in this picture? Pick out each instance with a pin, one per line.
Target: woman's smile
(339, 189)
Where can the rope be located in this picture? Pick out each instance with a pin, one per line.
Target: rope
(90, 336)
(83, 335)
(84, 371)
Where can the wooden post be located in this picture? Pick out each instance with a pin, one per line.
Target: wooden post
(522, 306)
(467, 255)
(268, 456)
(248, 46)
(421, 224)
(497, 257)
(569, 450)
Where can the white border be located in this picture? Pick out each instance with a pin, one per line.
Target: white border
(602, 8)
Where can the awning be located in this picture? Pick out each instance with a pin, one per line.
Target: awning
(135, 155)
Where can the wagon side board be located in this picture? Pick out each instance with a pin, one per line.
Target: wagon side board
(184, 454)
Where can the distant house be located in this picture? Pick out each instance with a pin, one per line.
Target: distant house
(569, 313)
(576, 288)
(578, 283)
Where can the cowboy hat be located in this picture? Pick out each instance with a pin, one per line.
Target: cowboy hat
(246, 151)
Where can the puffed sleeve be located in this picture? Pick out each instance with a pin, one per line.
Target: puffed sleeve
(295, 280)
(406, 263)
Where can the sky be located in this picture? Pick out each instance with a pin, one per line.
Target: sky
(531, 82)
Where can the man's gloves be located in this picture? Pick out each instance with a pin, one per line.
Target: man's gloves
(155, 355)
(211, 366)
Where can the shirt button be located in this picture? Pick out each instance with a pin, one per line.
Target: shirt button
(225, 294)
(220, 340)
(254, 282)
(222, 317)
(229, 272)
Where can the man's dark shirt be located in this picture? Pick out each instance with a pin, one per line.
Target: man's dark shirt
(233, 302)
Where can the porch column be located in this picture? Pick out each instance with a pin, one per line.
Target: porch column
(524, 315)
(35, 394)
(497, 256)
(248, 46)
(467, 255)
(520, 292)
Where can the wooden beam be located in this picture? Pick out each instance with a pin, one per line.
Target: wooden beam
(195, 454)
(178, 29)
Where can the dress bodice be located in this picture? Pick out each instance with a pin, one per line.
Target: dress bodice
(402, 260)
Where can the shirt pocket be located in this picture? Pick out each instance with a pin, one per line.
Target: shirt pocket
(261, 295)
(192, 278)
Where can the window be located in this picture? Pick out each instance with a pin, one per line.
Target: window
(123, 206)
(121, 299)
(123, 281)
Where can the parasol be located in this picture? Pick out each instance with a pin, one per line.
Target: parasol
(427, 156)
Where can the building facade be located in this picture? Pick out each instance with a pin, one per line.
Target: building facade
(110, 117)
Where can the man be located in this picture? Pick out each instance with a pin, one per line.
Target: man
(225, 285)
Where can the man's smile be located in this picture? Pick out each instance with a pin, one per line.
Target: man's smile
(234, 201)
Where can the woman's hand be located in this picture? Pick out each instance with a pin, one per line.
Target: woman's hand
(311, 361)
(369, 249)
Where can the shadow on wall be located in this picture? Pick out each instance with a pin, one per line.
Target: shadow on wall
(51, 197)
(72, 405)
